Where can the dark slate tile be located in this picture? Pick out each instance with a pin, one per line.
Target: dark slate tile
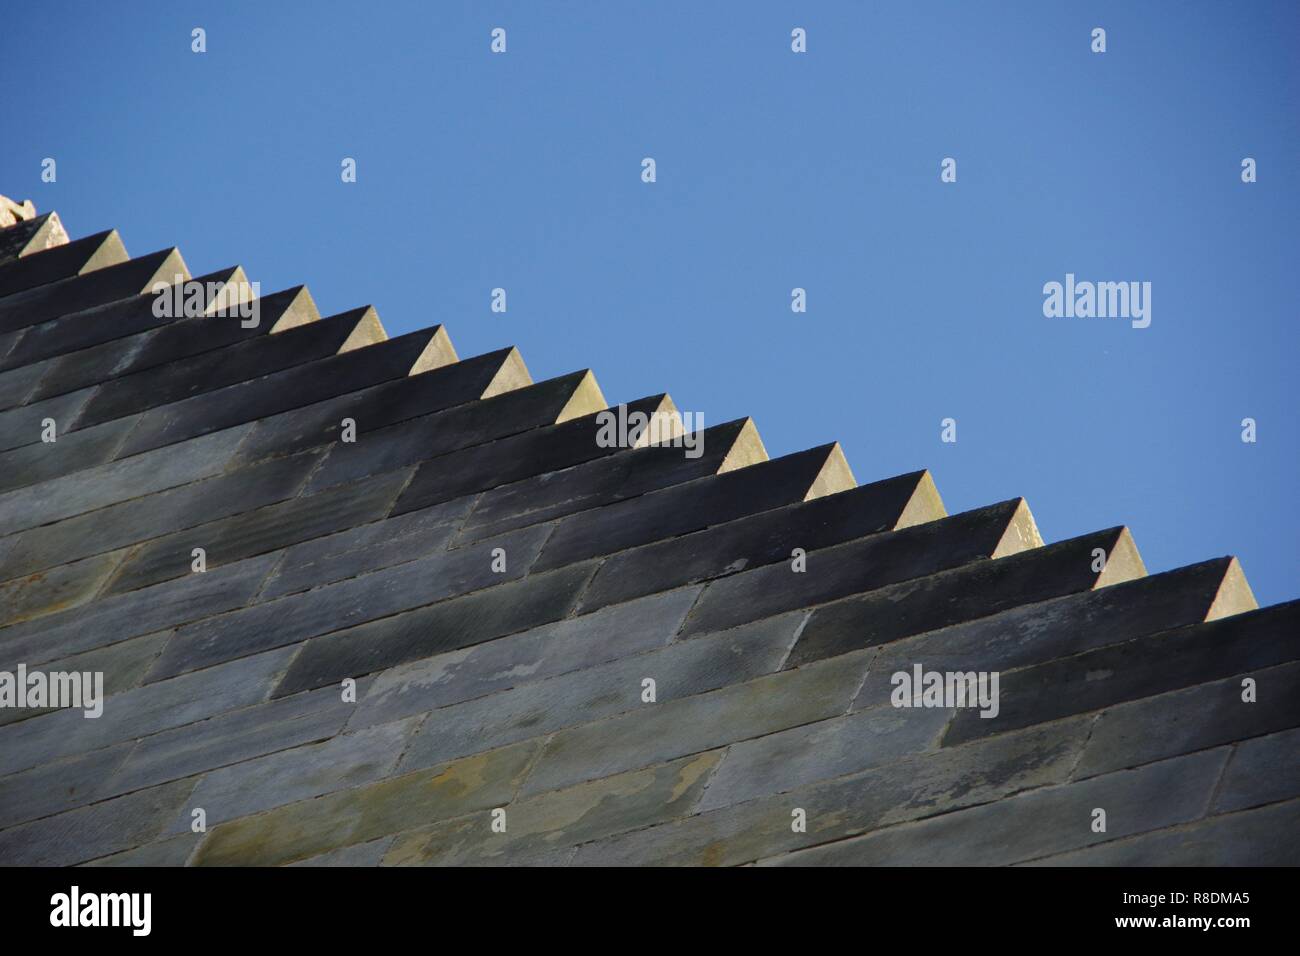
(536, 600)
(1262, 770)
(545, 496)
(243, 359)
(59, 785)
(532, 452)
(926, 603)
(289, 389)
(755, 541)
(1036, 824)
(141, 712)
(345, 604)
(232, 737)
(86, 348)
(300, 773)
(30, 236)
(61, 262)
(591, 694)
(100, 485)
(386, 404)
(1036, 633)
(121, 281)
(94, 831)
(1144, 667)
(121, 617)
(696, 505)
(250, 533)
(444, 432)
(543, 652)
(24, 425)
(32, 464)
(1194, 718)
(140, 519)
(18, 384)
(673, 728)
(895, 791)
(62, 587)
(1263, 837)
(864, 565)
(362, 550)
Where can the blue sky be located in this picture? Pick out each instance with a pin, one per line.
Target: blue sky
(775, 170)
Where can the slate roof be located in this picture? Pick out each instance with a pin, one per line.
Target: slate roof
(521, 689)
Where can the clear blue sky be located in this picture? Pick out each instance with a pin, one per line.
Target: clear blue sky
(775, 170)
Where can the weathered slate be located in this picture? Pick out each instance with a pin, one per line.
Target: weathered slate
(123, 280)
(61, 262)
(345, 604)
(440, 434)
(1183, 657)
(292, 388)
(30, 236)
(977, 589)
(765, 538)
(534, 452)
(495, 612)
(234, 538)
(91, 331)
(605, 481)
(682, 509)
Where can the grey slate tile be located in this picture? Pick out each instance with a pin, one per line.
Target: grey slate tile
(1262, 770)
(551, 650)
(1192, 718)
(830, 748)
(220, 352)
(1034, 633)
(447, 431)
(345, 761)
(461, 622)
(359, 854)
(145, 710)
(309, 828)
(1183, 657)
(545, 495)
(1261, 837)
(365, 549)
(378, 406)
(682, 509)
(140, 519)
(678, 727)
(286, 390)
(99, 486)
(82, 332)
(123, 280)
(754, 541)
(119, 618)
(906, 789)
(592, 694)
(32, 464)
(867, 564)
(539, 826)
(95, 831)
(66, 586)
(173, 851)
(978, 589)
(1038, 823)
(264, 529)
(58, 786)
(24, 425)
(542, 447)
(61, 262)
(343, 605)
(232, 736)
